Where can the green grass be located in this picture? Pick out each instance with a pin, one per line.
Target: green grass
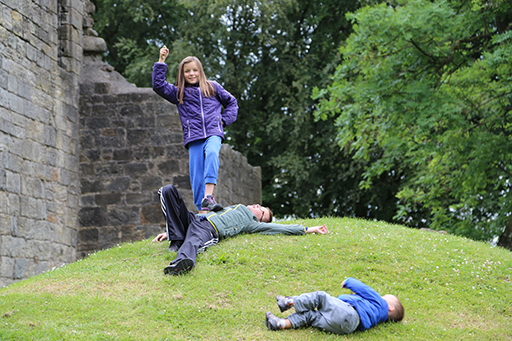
(452, 288)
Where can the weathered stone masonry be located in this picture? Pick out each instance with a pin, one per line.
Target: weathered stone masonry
(40, 61)
(82, 151)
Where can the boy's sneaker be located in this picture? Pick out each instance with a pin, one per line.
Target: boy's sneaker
(181, 267)
(284, 302)
(274, 323)
(209, 204)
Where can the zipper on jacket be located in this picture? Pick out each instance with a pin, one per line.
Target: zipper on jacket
(219, 123)
(202, 112)
(188, 128)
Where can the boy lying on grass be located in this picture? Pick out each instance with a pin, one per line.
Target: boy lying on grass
(191, 234)
(342, 315)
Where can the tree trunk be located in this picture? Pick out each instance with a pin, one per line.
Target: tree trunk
(506, 237)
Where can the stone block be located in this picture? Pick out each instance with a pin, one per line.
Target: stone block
(36, 131)
(42, 266)
(6, 266)
(13, 182)
(177, 151)
(111, 141)
(152, 230)
(122, 154)
(71, 112)
(171, 122)
(118, 123)
(89, 235)
(107, 199)
(32, 187)
(45, 250)
(181, 181)
(118, 215)
(139, 198)
(4, 78)
(149, 153)
(14, 204)
(93, 216)
(135, 169)
(3, 181)
(137, 137)
(86, 200)
(4, 204)
(129, 234)
(144, 121)
(6, 17)
(89, 155)
(5, 223)
(91, 186)
(101, 88)
(13, 246)
(118, 184)
(97, 123)
(109, 237)
(169, 167)
(108, 170)
(151, 183)
(24, 90)
(130, 110)
(14, 226)
(151, 214)
(12, 163)
(20, 267)
(33, 208)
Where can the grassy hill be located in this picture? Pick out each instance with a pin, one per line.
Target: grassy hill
(452, 288)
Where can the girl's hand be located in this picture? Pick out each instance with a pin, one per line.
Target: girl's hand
(164, 52)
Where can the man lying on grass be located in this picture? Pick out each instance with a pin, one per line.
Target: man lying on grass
(191, 234)
(340, 315)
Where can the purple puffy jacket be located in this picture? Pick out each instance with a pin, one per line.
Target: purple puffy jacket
(201, 117)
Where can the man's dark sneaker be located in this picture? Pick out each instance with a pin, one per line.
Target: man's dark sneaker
(284, 302)
(181, 267)
(274, 323)
(175, 245)
(209, 204)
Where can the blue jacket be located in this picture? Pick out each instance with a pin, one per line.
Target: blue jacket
(370, 306)
(201, 117)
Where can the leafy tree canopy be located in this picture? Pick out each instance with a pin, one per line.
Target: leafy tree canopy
(430, 84)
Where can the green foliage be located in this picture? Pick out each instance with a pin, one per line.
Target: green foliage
(430, 84)
(452, 288)
(269, 55)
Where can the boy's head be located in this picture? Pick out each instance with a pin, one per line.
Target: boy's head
(396, 309)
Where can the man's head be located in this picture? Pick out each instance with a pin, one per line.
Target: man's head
(264, 214)
(396, 309)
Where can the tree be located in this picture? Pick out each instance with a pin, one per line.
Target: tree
(430, 83)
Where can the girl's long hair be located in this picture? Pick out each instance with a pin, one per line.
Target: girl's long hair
(206, 87)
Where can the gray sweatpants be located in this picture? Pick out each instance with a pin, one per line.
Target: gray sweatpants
(321, 310)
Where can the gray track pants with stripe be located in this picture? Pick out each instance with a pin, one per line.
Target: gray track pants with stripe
(323, 311)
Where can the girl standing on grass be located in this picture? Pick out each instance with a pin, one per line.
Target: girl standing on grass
(199, 102)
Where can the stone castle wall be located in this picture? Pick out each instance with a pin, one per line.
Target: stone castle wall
(40, 63)
(82, 152)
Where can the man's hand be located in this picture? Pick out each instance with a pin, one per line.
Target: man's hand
(317, 229)
(160, 237)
